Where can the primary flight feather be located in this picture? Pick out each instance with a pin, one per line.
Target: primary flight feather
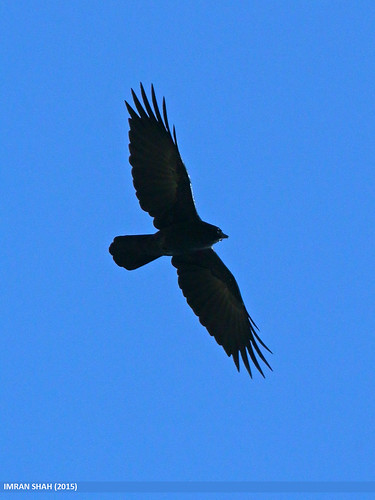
(163, 189)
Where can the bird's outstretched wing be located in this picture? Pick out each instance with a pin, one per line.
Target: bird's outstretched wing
(212, 292)
(160, 178)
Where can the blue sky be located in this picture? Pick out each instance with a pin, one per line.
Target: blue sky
(107, 374)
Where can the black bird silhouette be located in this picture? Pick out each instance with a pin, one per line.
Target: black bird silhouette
(163, 189)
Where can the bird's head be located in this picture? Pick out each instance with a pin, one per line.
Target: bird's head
(215, 233)
(221, 235)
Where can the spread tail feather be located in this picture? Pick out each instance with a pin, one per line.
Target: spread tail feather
(132, 252)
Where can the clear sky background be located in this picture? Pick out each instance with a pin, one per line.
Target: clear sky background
(107, 374)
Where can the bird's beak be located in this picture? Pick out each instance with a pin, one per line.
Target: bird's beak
(223, 236)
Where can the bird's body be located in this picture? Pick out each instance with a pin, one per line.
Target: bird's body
(163, 188)
(197, 235)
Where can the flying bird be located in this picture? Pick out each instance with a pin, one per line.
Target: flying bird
(163, 189)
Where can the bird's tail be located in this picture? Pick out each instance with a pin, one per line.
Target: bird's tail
(132, 252)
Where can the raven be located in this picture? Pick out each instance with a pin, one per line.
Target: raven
(163, 189)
